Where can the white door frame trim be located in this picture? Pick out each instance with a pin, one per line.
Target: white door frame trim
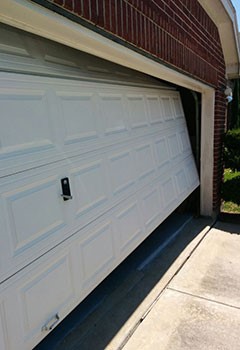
(38, 20)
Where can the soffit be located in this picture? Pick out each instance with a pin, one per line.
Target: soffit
(223, 13)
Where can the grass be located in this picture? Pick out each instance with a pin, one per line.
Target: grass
(231, 192)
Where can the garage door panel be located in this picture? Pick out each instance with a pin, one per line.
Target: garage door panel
(124, 147)
(168, 111)
(174, 145)
(56, 119)
(182, 181)
(145, 162)
(169, 192)
(151, 207)
(154, 109)
(129, 228)
(24, 126)
(34, 216)
(127, 155)
(137, 110)
(161, 152)
(97, 249)
(49, 284)
(89, 186)
(41, 296)
(78, 110)
(113, 114)
(178, 109)
(191, 172)
(122, 173)
(97, 253)
(37, 218)
(184, 140)
(30, 219)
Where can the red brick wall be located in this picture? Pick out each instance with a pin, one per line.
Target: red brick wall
(178, 33)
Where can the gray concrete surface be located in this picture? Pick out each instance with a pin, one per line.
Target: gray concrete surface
(187, 298)
(213, 271)
(183, 322)
(199, 309)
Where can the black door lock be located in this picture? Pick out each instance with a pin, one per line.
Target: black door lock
(66, 192)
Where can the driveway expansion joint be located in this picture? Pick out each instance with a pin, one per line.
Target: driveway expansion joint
(202, 298)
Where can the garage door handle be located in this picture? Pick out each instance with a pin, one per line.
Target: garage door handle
(66, 192)
(51, 323)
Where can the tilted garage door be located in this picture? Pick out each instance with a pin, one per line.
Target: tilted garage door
(115, 143)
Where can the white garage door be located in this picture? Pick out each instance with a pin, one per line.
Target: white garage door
(122, 144)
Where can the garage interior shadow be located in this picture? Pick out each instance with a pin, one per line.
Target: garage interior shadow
(100, 317)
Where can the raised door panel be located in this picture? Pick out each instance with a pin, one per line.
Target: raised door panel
(25, 123)
(42, 294)
(122, 172)
(79, 115)
(174, 146)
(27, 135)
(154, 109)
(112, 112)
(145, 162)
(137, 110)
(97, 254)
(34, 217)
(177, 104)
(151, 208)
(128, 226)
(48, 119)
(89, 186)
(168, 112)
(161, 152)
(34, 212)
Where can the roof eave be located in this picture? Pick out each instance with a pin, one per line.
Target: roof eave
(223, 13)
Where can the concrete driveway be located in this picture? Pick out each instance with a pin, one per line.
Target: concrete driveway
(184, 297)
(200, 307)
